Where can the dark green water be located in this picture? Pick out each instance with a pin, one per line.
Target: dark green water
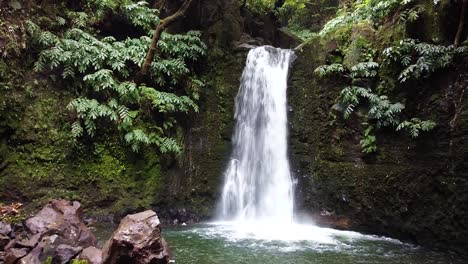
(209, 244)
(221, 244)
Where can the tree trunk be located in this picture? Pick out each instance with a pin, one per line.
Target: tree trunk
(461, 25)
(162, 25)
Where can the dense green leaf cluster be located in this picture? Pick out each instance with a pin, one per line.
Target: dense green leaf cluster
(102, 70)
(420, 60)
(380, 111)
(371, 74)
(263, 6)
(415, 126)
(372, 11)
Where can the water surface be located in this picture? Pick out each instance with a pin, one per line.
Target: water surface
(223, 244)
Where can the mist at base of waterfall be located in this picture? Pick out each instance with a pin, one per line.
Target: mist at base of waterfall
(229, 243)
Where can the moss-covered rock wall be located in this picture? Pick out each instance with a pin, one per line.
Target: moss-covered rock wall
(413, 189)
(195, 185)
(39, 159)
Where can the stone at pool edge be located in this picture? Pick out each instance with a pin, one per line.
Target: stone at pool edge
(56, 231)
(137, 240)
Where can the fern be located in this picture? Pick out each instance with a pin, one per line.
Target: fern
(364, 10)
(365, 70)
(380, 108)
(168, 102)
(103, 69)
(369, 141)
(420, 60)
(415, 126)
(138, 137)
(326, 70)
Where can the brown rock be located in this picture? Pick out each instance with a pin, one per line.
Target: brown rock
(63, 218)
(92, 255)
(137, 240)
(331, 220)
(14, 254)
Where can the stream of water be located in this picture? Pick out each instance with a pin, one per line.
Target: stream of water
(258, 185)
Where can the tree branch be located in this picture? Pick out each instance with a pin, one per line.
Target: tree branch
(162, 25)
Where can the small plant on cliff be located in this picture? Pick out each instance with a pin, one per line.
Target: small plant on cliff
(102, 69)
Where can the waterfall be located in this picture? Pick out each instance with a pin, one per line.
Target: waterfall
(258, 184)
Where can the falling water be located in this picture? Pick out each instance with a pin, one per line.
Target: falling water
(258, 184)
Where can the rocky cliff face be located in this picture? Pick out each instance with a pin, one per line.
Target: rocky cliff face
(406, 190)
(413, 189)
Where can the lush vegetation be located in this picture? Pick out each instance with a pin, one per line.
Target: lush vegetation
(102, 71)
(374, 74)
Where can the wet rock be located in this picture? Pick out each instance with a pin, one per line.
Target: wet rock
(137, 240)
(286, 39)
(10, 244)
(32, 257)
(63, 218)
(5, 228)
(329, 219)
(92, 255)
(4, 240)
(29, 243)
(243, 47)
(14, 254)
(56, 231)
(64, 253)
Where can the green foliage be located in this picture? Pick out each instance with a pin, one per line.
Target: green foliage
(369, 141)
(78, 261)
(73, 261)
(101, 71)
(303, 34)
(365, 70)
(137, 137)
(138, 12)
(379, 72)
(381, 110)
(373, 11)
(13, 219)
(411, 15)
(327, 70)
(420, 60)
(415, 126)
(263, 6)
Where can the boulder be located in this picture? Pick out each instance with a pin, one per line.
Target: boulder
(63, 218)
(92, 255)
(137, 240)
(56, 231)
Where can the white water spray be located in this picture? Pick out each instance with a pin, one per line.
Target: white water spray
(257, 200)
(258, 185)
